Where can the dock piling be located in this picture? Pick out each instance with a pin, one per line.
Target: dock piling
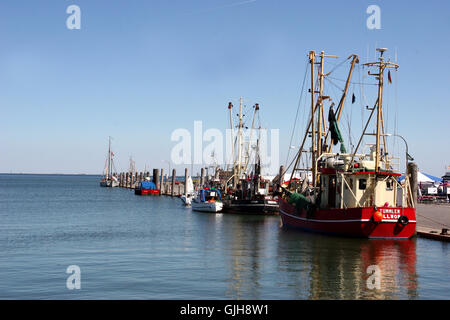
(173, 182)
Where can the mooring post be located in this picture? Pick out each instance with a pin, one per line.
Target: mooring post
(161, 183)
(141, 175)
(173, 182)
(131, 180)
(166, 186)
(412, 173)
(156, 174)
(126, 180)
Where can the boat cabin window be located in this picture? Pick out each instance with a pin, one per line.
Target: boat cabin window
(362, 184)
(389, 185)
(212, 195)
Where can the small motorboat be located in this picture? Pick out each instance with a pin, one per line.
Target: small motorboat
(208, 200)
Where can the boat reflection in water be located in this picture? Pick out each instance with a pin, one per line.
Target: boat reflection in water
(252, 250)
(252, 257)
(323, 267)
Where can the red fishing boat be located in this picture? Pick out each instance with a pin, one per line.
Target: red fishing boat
(350, 194)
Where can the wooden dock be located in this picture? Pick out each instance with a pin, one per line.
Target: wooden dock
(429, 233)
(168, 185)
(433, 221)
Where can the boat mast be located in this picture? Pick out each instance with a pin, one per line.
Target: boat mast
(381, 65)
(312, 57)
(316, 150)
(379, 106)
(320, 102)
(240, 140)
(320, 116)
(230, 108)
(249, 145)
(109, 160)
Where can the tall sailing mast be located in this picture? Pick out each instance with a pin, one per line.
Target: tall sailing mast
(109, 170)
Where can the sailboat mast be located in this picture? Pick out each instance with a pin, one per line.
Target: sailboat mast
(109, 175)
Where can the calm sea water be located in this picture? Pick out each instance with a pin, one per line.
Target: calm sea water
(131, 247)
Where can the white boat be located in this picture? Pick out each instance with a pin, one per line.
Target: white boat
(111, 183)
(110, 177)
(190, 192)
(207, 200)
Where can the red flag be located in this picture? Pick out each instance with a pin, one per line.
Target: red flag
(389, 76)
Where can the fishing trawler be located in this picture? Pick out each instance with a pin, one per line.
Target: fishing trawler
(350, 193)
(246, 192)
(110, 176)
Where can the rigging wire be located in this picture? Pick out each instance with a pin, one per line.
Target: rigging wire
(352, 82)
(338, 65)
(335, 85)
(296, 114)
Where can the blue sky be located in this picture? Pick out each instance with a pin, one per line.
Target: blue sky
(137, 70)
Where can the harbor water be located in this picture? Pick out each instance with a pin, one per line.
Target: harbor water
(132, 247)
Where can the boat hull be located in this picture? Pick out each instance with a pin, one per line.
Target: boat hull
(352, 222)
(147, 192)
(186, 199)
(109, 183)
(261, 206)
(207, 206)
